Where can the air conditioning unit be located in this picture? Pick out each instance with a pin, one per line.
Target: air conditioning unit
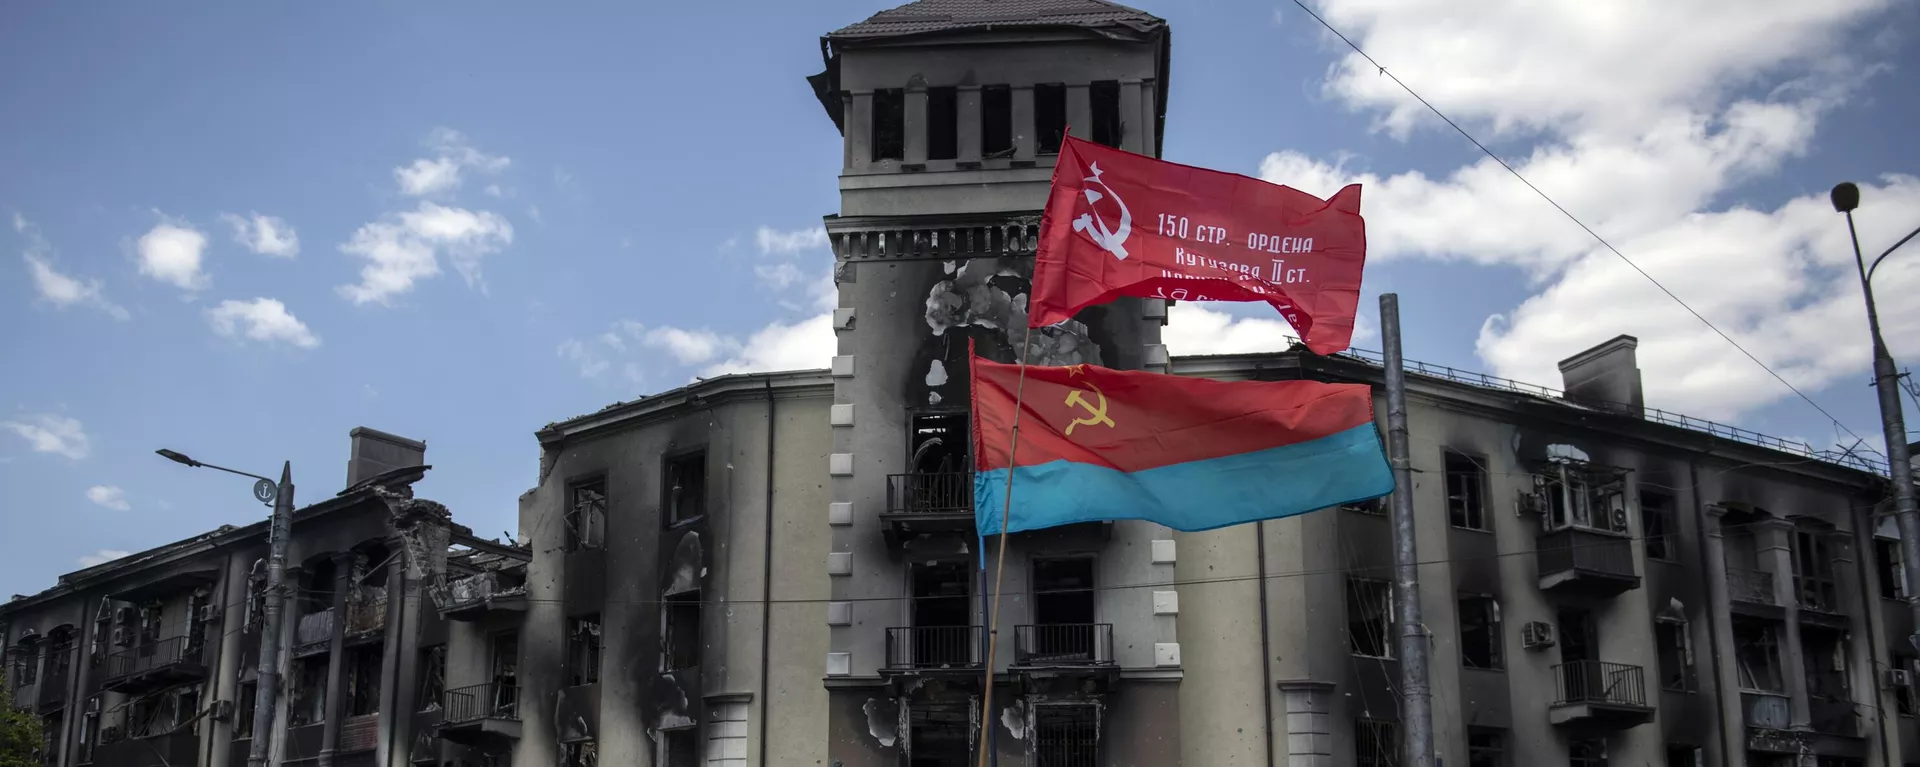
(1536, 635)
(122, 636)
(222, 710)
(1899, 677)
(1531, 502)
(123, 616)
(208, 613)
(1619, 520)
(93, 705)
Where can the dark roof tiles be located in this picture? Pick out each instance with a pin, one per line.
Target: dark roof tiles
(933, 16)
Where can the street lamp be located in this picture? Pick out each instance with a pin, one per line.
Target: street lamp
(279, 495)
(1886, 378)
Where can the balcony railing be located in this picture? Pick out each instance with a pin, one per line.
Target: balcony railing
(315, 628)
(1766, 709)
(1818, 594)
(176, 653)
(934, 647)
(1592, 681)
(366, 616)
(950, 493)
(1576, 553)
(481, 701)
(1079, 644)
(1750, 586)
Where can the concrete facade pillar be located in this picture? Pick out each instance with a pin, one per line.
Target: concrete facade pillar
(967, 133)
(336, 659)
(398, 669)
(859, 127)
(1024, 143)
(1130, 111)
(1774, 539)
(1726, 673)
(915, 124)
(1079, 111)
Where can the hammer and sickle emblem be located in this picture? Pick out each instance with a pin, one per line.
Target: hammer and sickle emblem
(1096, 414)
(1113, 240)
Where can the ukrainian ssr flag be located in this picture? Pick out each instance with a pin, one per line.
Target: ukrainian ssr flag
(1189, 453)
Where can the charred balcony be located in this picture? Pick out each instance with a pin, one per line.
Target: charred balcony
(928, 504)
(935, 649)
(1585, 562)
(153, 665)
(1596, 696)
(121, 749)
(473, 597)
(483, 715)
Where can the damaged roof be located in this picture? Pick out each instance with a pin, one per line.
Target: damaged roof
(935, 16)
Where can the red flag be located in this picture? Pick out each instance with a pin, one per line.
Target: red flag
(1122, 224)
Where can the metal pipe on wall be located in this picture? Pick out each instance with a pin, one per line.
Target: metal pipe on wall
(766, 581)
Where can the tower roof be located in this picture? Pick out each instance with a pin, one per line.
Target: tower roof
(924, 17)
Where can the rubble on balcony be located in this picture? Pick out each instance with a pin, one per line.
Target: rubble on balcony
(471, 597)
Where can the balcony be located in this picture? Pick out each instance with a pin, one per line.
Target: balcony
(921, 649)
(472, 597)
(928, 504)
(313, 634)
(1766, 710)
(1588, 563)
(484, 715)
(1750, 592)
(154, 665)
(1820, 603)
(1833, 715)
(1596, 696)
(119, 750)
(1064, 657)
(366, 617)
(52, 690)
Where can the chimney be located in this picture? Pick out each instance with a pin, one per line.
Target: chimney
(1605, 376)
(376, 452)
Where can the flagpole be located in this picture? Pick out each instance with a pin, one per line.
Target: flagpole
(1000, 566)
(1416, 699)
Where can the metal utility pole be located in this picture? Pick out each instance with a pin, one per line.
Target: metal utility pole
(273, 597)
(1416, 695)
(1886, 378)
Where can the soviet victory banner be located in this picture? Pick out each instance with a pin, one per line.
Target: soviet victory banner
(1122, 224)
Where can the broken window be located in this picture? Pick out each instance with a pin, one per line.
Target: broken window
(943, 123)
(1370, 617)
(150, 618)
(1825, 656)
(1758, 657)
(1656, 524)
(580, 754)
(1903, 697)
(680, 641)
(1675, 648)
(586, 517)
(1107, 127)
(363, 680)
(940, 734)
(1582, 495)
(1374, 506)
(1587, 752)
(942, 615)
(681, 747)
(1050, 116)
(506, 675)
(1683, 756)
(1480, 632)
(996, 121)
(889, 124)
(90, 730)
(102, 630)
(1813, 575)
(243, 704)
(256, 594)
(1486, 747)
(1063, 611)
(1066, 736)
(1375, 743)
(309, 699)
(24, 661)
(686, 488)
(186, 709)
(1890, 566)
(1466, 492)
(583, 650)
(317, 586)
(433, 677)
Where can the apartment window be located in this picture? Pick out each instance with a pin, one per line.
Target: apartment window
(1370, 617)
(681, 639)
(1888, 564)
(1375, 743)
(1579, 495)
(1466, 492)
(150, 617)
(940, 734)
(186, 710)
(996, 121)
(686, 488)
(1758, 657)
(1589, 752)
(681, 747)
(943, 123)
(1656, 525)
(25, 661)
(1480, 632)
(309, 699)
(1486, 747)
(1813, 574)
(243, 709)
(102, 630)
(1374, 506)
(1675, 649)
(1107, 126)
(583, 650)
(1065, 736)
(433, 677)
(363, 680)
(586, 517)
(889, 124)
(580, 754)
(1903, 697)
(1050, 116)
(1684, 756)
(90, 729)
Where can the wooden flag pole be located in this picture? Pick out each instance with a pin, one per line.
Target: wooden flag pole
(1000, 566)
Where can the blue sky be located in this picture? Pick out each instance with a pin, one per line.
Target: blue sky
(610, 200)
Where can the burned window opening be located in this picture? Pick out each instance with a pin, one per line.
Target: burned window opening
(1107, 128)
(1584, 496)
(996, 121)
(317, 584)
(1587, 752)
(1683, 756)
(680, 748)
(1675, 649)
(1466, 492)
(506, 674)
(680, 637)
(1486, 747)
(1890, 567)
(1370, 617)
(942, 608)
(889, 124)
(309, 699)
(582, 753)
(363, 680)
(1063, 610)
(1066, 736)
(1757, 656)
(1814, 579)
(939, 443)
(586, 517)
(943, 123)
(1657, 525)
(243, 705)
(1480, 632)
(940, 734)
(1050, 116)
(1825, 654)
(583, 650)
(433, 677)
(90, 729)
(102, 631)
(1375, 743)
(686, 488)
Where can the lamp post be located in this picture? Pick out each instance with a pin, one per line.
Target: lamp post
(1886, 378)
(267, 685)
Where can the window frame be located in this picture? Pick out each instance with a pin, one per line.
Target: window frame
(1372, 730)
(1386, 620)
(1043, 143)
(677, 646)
(883, 101)
(1498, 750)
(943, 131)
(669, 516)
(1115, 124)
(1683, 652)
(1890, 568)
(592, 536)
(1495, 635)
(1668, 535)
(1470, 513)
(585, 649)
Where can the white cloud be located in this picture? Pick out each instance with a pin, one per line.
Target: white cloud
(262, 319)
(775, 242)
(689, 347)
(109, 496)
(172, 252)
(805, 344)
(51, 433)
(590, 361)
(778, 276)
(264, 234)
(59, 289)
(444, 172)
(405, 247)
(102, 557)
(1194, 329)
(808, 344)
